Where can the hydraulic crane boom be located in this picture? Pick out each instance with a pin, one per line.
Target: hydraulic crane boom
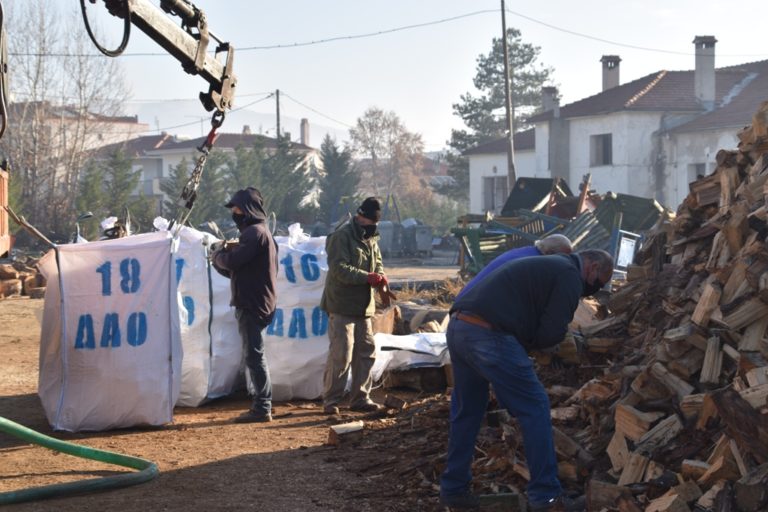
(188, 43)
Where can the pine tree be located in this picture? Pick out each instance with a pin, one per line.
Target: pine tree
(285, 181)
(338, 182)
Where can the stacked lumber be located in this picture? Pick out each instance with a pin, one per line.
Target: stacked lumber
(21, 278)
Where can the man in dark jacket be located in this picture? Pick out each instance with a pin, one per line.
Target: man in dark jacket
(355, 270)
(251, 265)
(524, 304)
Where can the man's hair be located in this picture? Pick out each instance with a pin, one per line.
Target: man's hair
(604, 260)
(554, 244)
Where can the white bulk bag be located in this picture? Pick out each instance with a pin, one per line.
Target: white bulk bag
(296, 342)
(110, 351)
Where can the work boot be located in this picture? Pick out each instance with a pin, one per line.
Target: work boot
(254, 417)
(561, 504)
(366, 406)
(464, 501)
(331, 410)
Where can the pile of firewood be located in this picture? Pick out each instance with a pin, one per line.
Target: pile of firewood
(668, 411)
(686, 412)
(21, 278)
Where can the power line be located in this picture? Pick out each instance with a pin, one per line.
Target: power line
(196, 122)
(315, 111)
(393, 30)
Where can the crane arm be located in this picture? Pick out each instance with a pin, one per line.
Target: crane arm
(188, 43)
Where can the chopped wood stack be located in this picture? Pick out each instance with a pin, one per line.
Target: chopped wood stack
(683, 416)
(669, 409)
(21, 278)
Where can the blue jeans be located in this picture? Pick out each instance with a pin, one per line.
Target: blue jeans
(481, 357)
(250, 327)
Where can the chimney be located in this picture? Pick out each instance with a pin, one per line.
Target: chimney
(550, 101)
(704, 77)
(610, 71)
(246, 129)
(304, 131)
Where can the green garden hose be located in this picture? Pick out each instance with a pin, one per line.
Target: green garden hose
(147, 470)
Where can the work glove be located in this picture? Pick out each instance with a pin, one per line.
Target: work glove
(384, 283)
(374, 279)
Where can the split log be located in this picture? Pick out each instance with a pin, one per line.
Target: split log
(672, 503)
(634, 469)
(753, 335)
(618, 451)
(747, 313)
(751, 491)
(632, 423)
(603, 495)
(8, 272)
(713, 362)
(693, 469)
(743, 423)
(10, 287)
(660, 435)
(672, 382)
(345, 433)
(710, 298)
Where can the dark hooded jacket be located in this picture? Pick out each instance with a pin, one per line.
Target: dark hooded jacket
(252, 263)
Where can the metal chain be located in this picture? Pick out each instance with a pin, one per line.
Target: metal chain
(189, 192)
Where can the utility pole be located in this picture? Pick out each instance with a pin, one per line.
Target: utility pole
(511, 177)
(277, 99)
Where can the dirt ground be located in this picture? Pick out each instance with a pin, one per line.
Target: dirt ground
(206, 461)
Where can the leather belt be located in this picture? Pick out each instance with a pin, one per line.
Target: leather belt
(473, 319)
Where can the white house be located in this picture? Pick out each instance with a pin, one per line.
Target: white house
(650, 137)
(155, 156)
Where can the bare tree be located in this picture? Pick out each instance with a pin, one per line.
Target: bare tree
(395, 153)
(63, 95)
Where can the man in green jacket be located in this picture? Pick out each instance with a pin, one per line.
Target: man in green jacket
(354, 272)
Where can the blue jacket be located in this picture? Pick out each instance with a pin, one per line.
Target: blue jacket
(533, 299)
(514, 254)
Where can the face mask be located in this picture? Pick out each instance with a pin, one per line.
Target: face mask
(238, 219)
(369, 231)
(591, 289)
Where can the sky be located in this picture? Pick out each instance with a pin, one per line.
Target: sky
(420, 72)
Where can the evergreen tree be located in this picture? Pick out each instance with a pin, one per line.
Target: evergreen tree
(480, 112)
(338, 182)
(285, 182)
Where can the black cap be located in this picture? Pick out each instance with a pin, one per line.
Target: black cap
(370, 209)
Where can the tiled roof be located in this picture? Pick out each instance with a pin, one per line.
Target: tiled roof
(739, 106)
(523, 140)
(232, 141)
(665, 91)
(139, 146)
